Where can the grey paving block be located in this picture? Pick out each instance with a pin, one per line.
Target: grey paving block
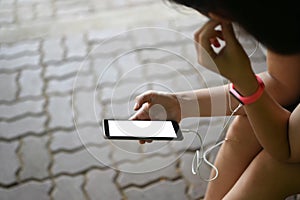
(147, 164)
(81, 160)
(78, 138)
(21, 108)
(66, 69)
(76, 46)
(44, 10)
(68, 188)
(52, 49)
(20, 62)
(22, 126)
(27, 191)
(61, 112)
(9, 162)
(163, 190)
(25, 13)
(100, 185)
(104, 34)
(70, 85)
(14, 49)
(87, 108)
(6, 16)
(126, 179)
(8, 86)
(31, 83)
(35, 158)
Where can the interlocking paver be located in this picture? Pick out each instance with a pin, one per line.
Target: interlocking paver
(8, 86)
(35, 158)
(71, 84)
(81, 160)
(21, 108)
(44, 10)
(66, 69)
(31, 83)
(162, 190)
(76, 46)
(80, 137)
(53, 49)
(22, 127)
(103, 178)
(60, 111)
(68, 188)
(141, 179)
(20, 63)
(25, 13)
(27, 191)
(30, 46)
(87, 109)
(9, 162)
(6, 16)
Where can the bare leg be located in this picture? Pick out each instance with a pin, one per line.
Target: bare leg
(233, 158)
(266, 178)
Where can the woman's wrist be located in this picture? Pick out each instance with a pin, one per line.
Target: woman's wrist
(246, 85)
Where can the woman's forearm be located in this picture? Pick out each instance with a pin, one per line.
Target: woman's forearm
(207, 102)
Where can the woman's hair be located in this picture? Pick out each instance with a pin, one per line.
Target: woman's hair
(275, 24)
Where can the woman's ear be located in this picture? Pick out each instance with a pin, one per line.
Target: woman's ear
(218, 18)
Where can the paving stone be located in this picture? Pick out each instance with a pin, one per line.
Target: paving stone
(105, 179)
(79, 161)
(126, 179)
(117, 110)
(105, 34)
(25, 13)
(163, 190)
(20, 62)
(53, 50)
(9, 162)
(87, 109)
(126, 151)
(20, 108)
(77, 138)
(28, 46)
(113, 46)
(197, 186)
(6, 16)
(8, 86)
(22, 126)
(66, 69)
(31, 83)
(35, 158)
(76, 46)
(147, 164)
(70, 84)
(71, 8)
(104, 72)
(68, 188)
(44, 10)
(27, 191)
(60, 111)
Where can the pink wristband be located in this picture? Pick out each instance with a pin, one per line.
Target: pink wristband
(249, 99)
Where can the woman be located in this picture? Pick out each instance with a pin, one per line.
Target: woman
(261, 156)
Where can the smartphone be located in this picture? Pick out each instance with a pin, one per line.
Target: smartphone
(141, 130)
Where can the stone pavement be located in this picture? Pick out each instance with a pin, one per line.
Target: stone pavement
(64, 66)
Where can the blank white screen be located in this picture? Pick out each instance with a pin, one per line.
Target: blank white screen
(141, 128)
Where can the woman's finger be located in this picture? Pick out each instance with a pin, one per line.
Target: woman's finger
(143, 98)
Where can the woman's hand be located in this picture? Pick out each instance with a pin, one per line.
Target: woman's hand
(154, 105)
(231, 61)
